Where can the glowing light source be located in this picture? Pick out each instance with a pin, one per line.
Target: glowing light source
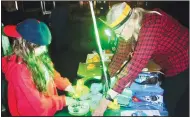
(99, 47)
(107, 32)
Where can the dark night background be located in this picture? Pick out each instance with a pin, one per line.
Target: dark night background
(72, 31)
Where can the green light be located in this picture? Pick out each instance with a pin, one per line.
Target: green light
(99, 44)
(107, 32)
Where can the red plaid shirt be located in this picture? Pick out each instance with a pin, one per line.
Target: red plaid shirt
(123, 54)
(162, 39)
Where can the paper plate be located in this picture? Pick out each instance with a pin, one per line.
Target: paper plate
(79, 108)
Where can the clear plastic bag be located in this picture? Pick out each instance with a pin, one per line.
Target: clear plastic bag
(94, 97)
(147, 106)
(149, 89)
(146, 89)
(149, 78)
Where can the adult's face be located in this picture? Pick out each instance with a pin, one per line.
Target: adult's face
(126, 30)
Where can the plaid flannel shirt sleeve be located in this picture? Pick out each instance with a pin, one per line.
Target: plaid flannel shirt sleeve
(119, 57)
(147, 43)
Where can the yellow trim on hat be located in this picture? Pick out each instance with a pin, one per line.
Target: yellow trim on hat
(122, 16)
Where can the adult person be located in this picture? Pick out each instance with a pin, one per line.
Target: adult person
(158, 37)
(32, 79)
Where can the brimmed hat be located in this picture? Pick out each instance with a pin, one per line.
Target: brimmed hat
(123, 17)
(31, 30)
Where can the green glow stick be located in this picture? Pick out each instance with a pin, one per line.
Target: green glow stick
(99, 46)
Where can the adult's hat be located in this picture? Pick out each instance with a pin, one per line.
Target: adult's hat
(31, 30)
(118, 15)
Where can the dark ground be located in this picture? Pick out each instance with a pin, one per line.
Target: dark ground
(80, 36)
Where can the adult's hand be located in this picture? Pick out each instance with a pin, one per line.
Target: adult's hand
(102, 107)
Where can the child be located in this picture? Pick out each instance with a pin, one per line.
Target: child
(32, 79)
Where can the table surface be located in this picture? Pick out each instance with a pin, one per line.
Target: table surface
(108, 112)
(97, 71)
(84, 72)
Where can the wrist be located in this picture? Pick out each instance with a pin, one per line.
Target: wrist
(109, 98)
(67, 100)
(106, 102)
(112, 93)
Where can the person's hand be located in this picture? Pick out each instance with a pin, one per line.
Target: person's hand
(70, 101)
(102, 108)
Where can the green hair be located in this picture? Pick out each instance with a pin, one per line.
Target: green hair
(25, 50)
(37, 70)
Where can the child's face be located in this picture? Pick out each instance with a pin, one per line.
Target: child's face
(40, 50)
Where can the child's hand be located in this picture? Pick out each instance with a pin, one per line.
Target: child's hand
(70, 101)
(70, 89)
